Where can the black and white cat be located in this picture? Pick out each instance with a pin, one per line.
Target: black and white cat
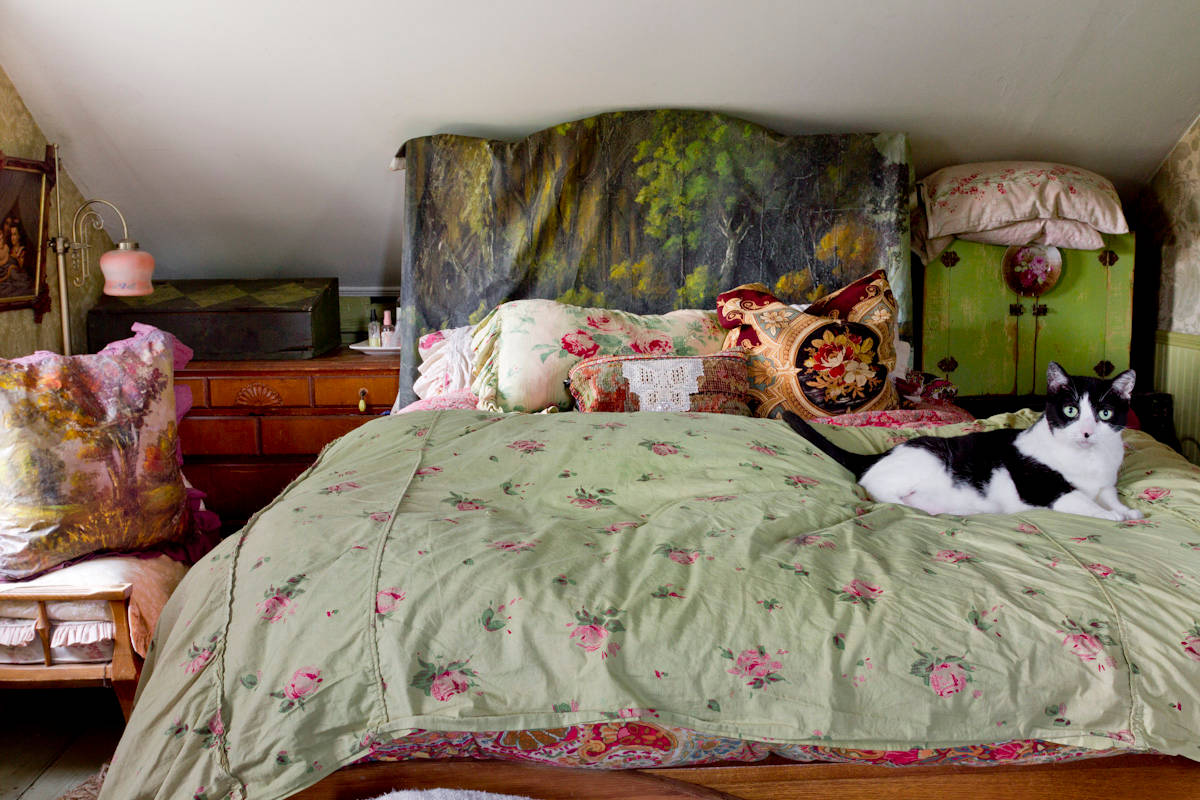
(1067, 461)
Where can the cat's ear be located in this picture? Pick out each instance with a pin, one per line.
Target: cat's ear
(1123, 384)
(1056, 378)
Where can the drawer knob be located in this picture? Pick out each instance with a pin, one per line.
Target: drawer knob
(255, 394)
(362, 400)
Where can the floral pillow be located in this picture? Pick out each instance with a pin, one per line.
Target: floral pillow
(993, 194)
(832, 358)
(716, 384)
(525, 348)
(88, 454)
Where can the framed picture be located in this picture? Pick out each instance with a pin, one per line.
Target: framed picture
(24, 206)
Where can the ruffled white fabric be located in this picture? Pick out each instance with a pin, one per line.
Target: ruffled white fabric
(17, 632)
(446, 365)
(67, 634)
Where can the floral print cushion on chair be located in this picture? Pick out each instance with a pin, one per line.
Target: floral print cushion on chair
(832, 358)
(88, 454)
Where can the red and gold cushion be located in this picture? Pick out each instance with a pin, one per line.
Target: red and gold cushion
(832, 358)
(715, 383)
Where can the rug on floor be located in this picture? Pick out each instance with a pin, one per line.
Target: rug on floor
(89, 789)
(447, 794)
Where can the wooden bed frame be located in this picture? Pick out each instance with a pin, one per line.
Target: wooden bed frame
(1127, 776)
(121, 673)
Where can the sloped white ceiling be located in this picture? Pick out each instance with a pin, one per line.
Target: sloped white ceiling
(252, 137)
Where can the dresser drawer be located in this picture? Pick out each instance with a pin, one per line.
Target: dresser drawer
(345, 391)
(218, 436)
(261, 392)
(199, 393)
(236, 490)
(305, 435)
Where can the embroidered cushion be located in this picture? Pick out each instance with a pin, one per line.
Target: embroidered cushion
(524, 349)
(88, 454)
(716, 384)
(832, 358)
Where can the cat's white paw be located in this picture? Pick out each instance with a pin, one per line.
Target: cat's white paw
(1133, 513)
(1115, 516)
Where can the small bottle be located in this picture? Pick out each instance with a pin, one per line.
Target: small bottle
(374, 339)
(388, 334)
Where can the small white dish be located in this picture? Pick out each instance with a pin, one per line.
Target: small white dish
(363, 347)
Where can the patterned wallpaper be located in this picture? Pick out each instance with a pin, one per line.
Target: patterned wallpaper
(1174, 213)
(20, 137)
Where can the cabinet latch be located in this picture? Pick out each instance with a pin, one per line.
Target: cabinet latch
(1040, 310)
(1016, 310)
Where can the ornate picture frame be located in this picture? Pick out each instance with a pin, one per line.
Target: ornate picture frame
(25, 186)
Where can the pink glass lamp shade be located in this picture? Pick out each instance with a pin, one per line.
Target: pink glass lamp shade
(127, 270)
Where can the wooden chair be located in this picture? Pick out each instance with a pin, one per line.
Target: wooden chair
(121, 673)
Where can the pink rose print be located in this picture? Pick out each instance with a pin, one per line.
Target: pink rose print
(1100, 570)
(388, 600)
(952, 556)
(945, 675)
(464, 503)
(754, 664)
(1026, 527)
(303, 683)
(275, 608)
(617, 527)
(448, 684)
(215, 726)
(380, 516)
(947, 679)
(801, 481)
(580, 343)
(680, 555)
(592, 631)
(859, 592)
(527, 446)
(425, 472)
(1191, 643)
(663, 449)
(1087, 641)
(603, 322)
(513, 547)
(338, 488)
(766, 450)
(1154, 493)
(651, 344)
(585, 499)
(810, 539)
(589, 637)
(443, 681)
(198, 656)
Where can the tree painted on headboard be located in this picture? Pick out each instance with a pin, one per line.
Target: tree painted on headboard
(646, 211)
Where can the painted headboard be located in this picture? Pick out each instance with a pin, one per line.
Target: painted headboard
(647, 211)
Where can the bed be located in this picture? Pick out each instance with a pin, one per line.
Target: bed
(657, 605)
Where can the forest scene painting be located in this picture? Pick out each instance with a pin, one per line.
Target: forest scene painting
(648, 211)
(90, 464)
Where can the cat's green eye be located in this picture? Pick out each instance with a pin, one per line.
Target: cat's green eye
(1071, 411)
(1105, 413)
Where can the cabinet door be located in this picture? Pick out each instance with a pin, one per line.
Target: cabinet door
(968, 333)
(1088, 319)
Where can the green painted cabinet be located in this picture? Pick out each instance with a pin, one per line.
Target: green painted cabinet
(988, 339)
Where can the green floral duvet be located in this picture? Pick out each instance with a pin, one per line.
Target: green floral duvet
(455, 570)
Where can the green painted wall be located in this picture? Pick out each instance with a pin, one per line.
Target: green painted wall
(19, 335)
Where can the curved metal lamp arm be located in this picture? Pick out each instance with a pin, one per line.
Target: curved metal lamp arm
(85, 215)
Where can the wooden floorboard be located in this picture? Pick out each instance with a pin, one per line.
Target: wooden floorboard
(51, 740)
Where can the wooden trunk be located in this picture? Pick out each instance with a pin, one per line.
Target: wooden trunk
(989, 340)
(230, 320)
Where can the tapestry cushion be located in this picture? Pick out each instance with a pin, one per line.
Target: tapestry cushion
(992, 194)
(832, 358)
(88, 454)
(716, 384)
(525, 348)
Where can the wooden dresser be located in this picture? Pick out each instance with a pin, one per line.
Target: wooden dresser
(256, 425)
